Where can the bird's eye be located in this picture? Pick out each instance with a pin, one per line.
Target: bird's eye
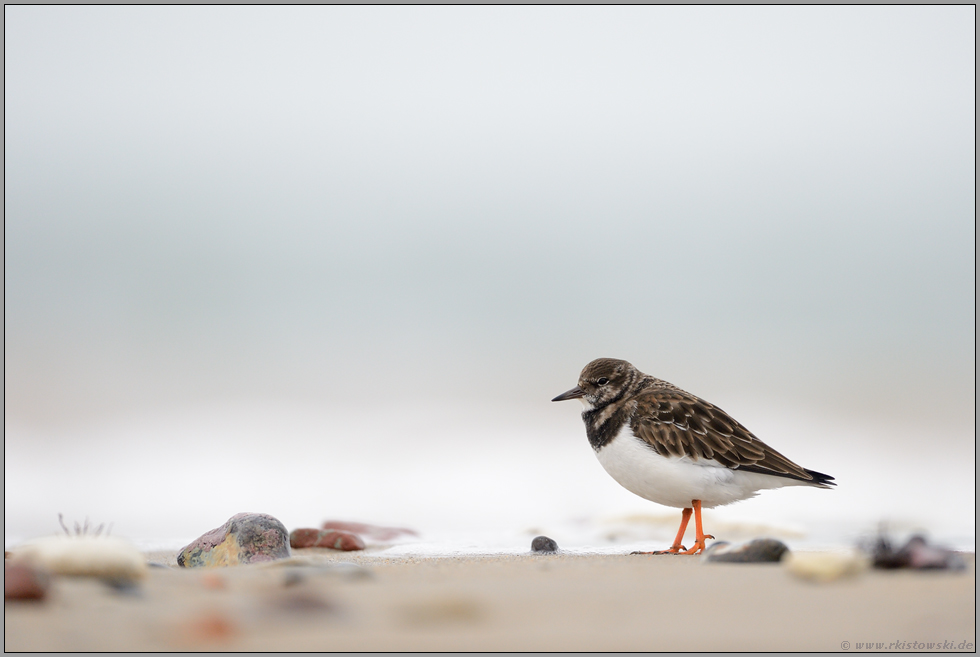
(602, 381)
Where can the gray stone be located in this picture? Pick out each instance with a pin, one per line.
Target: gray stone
(543, 544)
(760, 550)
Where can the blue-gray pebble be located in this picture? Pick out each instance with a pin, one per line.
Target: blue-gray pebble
(543, 544)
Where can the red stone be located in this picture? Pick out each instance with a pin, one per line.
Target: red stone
(210, 627)
(23, 582)
(371, 531)
(335, 540)
(213, 582)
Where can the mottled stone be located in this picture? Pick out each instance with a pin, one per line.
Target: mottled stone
(760, 550)
(326, 538)
(23, 581)
(543, 544)
(375, 532)
(246, 538)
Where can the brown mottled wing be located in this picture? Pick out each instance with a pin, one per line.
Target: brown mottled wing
(676, 423)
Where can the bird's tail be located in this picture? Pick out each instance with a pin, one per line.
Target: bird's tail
(820, 479)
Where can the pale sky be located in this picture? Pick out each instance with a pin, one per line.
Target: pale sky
(209, 202)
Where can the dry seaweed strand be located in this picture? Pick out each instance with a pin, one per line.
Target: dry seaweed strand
(83, 530)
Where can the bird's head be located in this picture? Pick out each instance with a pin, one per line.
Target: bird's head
(602, 381)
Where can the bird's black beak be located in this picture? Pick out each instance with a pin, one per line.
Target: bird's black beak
(574, 393)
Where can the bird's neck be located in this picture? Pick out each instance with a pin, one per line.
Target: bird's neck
(604, 423)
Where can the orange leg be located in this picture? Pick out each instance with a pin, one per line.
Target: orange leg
(676, 547)
(699, 536)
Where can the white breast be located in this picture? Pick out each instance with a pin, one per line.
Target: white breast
(674, 481)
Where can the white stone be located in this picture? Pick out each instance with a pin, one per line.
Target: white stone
(825, 566)
(88, 556)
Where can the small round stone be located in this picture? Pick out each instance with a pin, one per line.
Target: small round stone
(543, 544)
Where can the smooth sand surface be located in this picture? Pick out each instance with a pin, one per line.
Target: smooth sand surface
(492, 603)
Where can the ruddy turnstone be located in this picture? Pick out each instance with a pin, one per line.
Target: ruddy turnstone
(672, 448)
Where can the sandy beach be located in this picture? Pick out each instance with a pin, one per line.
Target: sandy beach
(326, 600)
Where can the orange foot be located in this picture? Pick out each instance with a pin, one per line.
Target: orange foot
(699, 537)
(698, 546)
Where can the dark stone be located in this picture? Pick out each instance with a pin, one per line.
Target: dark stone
(246, 538)
(327, 538)
(917, 554)
(760, 550)
(24, 582)
(298, 601)
(122, 585)
(543, 544)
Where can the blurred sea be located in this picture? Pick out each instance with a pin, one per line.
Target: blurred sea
(332, 262)
(467, 488)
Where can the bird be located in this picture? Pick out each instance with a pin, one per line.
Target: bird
(675, 449)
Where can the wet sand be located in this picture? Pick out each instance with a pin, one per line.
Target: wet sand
(497, 603)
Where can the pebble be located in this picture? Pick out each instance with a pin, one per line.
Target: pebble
(213, 582)
(123, 586)
(543, 544)
(245, 538)
(917, 554)
(301, 601)
(326, 538)
(106, 557)
(23, 581)
(376, 532)
(212, 627)
(825, 566)
(760, 550)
